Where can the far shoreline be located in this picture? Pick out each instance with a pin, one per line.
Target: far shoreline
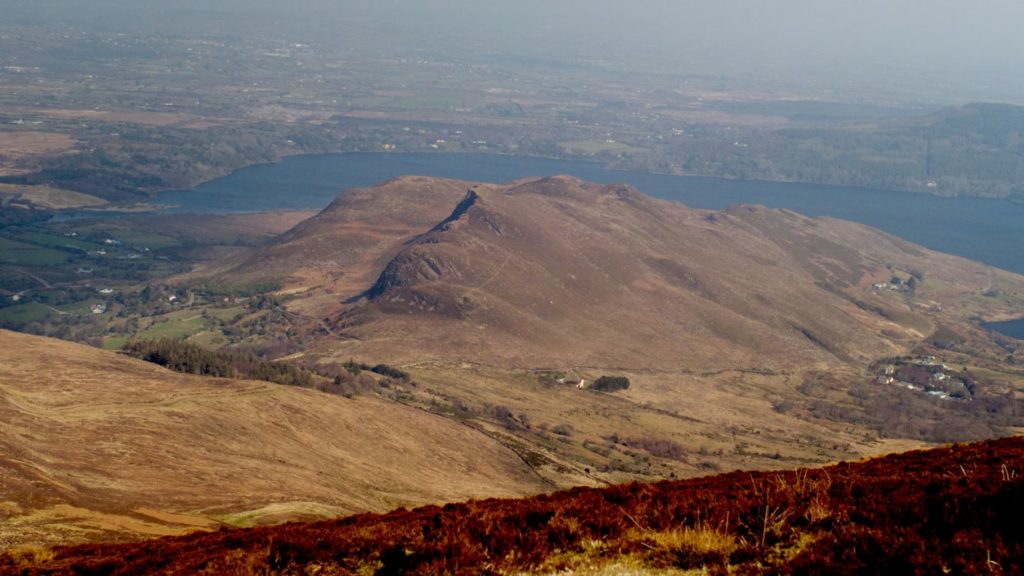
(132, 207)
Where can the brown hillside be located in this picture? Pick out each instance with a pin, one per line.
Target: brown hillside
(94, 445)
(954, 510)
(559, 272)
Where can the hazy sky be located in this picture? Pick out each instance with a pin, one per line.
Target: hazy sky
(972, 38)
(972, 46)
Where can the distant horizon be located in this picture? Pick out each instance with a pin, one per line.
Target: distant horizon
(945, 51)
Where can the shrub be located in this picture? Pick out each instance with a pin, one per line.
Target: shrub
(658, 447)
(563, 430)
(390, 372)
(353, 367)
(611, 383)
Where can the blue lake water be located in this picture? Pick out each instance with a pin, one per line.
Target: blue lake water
(1013, 328)
(981, 229)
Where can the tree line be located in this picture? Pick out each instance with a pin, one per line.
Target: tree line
(182, 356)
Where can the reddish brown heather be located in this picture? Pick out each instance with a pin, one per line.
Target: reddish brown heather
(950, 510)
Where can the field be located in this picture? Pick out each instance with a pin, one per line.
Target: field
(47, 197)
(182, 108)
(53, 142)
(15, 145)
(949, 510)
(593, 147)
(184, 325)
(15, 252)
(115, 342)
(23, 314)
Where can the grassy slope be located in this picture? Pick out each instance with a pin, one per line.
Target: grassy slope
(94, 445)
(949, 510)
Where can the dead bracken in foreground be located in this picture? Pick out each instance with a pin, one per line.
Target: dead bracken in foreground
(949, 510)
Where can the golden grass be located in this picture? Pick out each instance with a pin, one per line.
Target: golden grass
(122, 435)
(28, 556)
(701, 540)
(27, 143)
(47, 197)
(679, 551)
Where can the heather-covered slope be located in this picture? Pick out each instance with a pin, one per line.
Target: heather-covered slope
(950, 510)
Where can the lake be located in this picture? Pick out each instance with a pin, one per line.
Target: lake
(1012, 328)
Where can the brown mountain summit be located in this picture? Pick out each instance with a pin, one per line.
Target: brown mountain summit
(557, 271)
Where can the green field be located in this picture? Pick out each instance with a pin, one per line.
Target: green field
(174, 328)
(142, 239)
(598, 147)
(14, 252)
(212, 339)
(114, 342)
(225, 314)
(57, 241)
(24, 313)
(97, 232)
(428, 102)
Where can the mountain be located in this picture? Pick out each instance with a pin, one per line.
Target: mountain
(98, 446)
(557, 272)
(949, 510)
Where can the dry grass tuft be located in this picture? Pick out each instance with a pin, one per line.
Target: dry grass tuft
(30, 556)
(702, 539)
(689, 547)
(818, 510)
